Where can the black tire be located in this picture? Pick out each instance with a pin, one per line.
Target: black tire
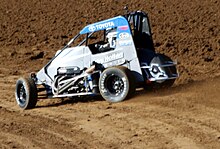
(26, 93)
(163, 59)
(116, 84)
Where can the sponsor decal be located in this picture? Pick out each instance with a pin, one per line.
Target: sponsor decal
(125, 43)
(92, 28)
(123, 27)
(111, 57)
(123, 35)
(101, 26)
(115, 62)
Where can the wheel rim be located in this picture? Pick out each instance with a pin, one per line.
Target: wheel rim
(114, 84)
(22, 96)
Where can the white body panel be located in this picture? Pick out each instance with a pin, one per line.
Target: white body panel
(69, 57)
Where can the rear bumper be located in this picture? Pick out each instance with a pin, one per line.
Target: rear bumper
(160, 72)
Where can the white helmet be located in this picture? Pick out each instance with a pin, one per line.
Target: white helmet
(111, 37)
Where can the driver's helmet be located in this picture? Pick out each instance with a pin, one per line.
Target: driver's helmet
(111, 37)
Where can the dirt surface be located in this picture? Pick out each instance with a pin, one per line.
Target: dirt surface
(184, 116)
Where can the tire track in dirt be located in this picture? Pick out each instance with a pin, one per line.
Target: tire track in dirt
(35, 131)
(144, 126)
(60, 116)
(176, 119)
(190, 118)
(193, 120)
(185, 127)
(9, 140)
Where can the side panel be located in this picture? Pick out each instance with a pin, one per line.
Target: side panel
(124, 53)
(67, 58)
(125, 43)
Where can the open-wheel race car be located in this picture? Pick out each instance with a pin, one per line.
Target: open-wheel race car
(110, 58)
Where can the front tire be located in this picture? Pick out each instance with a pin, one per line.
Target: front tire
(116, 84)
(26, 93)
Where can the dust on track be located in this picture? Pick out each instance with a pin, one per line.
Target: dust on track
(185, 116)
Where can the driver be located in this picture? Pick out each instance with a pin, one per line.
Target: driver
(111, 44)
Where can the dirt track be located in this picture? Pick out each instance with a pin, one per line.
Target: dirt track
(185, 116)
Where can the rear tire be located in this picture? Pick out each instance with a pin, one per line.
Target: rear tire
(26, 93)
(116, 84)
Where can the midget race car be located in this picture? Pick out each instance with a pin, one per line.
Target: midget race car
(110, 58)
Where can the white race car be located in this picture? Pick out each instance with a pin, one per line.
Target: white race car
(111, 57)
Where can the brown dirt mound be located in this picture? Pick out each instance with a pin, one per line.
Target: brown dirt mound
(186, 116)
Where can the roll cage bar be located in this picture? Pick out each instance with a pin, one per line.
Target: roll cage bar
(137, 26)
(141, 30)
(136, 17)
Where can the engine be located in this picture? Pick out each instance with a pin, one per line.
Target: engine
(70, 80)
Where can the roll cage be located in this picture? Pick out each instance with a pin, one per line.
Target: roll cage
(139, 25)
(135, 23)
(141, 30)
